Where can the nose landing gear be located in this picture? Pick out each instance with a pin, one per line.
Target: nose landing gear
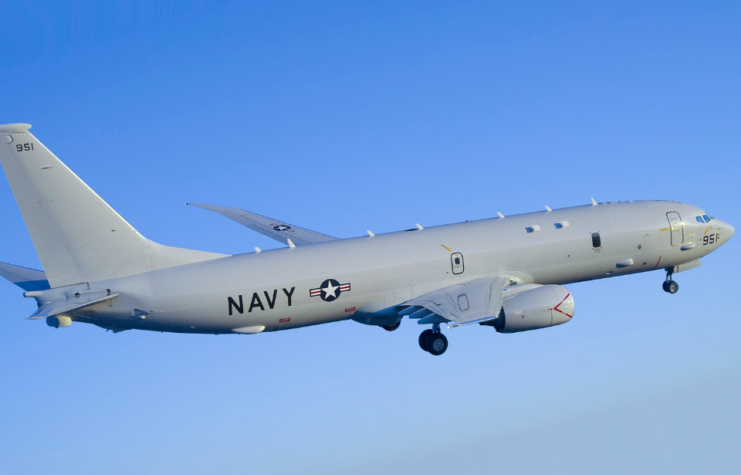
(432, 341)
(669, 284)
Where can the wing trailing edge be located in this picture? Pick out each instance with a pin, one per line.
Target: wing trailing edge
(472, 302)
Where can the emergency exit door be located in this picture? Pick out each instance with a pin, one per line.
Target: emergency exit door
(456, 261)
(676, 228)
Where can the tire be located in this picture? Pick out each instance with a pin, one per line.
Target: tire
(665, 286)
(673, 287)
(436, 344)
(423, 339)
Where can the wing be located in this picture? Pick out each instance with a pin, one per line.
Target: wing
(471, 302)
(269, 227)
(27, 279)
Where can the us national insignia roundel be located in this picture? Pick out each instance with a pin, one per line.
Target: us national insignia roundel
(281, 227)
(329, 290)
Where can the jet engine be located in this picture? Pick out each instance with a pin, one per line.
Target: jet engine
(59, 321)
(537, 306)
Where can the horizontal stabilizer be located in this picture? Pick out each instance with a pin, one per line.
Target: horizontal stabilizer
(269, 227)
(27, 279)
(462, 304)
(71, 304)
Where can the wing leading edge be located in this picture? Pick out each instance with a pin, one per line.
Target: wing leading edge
(278, 230)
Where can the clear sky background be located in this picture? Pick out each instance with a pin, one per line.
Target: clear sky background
(347, 116)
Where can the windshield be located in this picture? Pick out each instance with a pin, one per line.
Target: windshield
(703, 219)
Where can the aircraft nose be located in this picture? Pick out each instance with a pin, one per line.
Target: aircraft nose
(728, 230)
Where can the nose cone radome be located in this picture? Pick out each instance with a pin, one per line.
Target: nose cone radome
(726, 229)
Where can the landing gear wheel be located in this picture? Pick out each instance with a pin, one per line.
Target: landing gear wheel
(423, 339)
(665, 286)
(436, 344)
(390, 328)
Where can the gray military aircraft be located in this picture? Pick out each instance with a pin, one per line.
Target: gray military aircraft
(507, 272)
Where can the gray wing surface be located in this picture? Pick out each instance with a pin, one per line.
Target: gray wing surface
(272, 228)
(471, 302)
(27, 279)
(71, 304)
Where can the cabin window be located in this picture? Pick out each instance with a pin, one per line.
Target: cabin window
(596, 241)
(700, 219)
(707, 218)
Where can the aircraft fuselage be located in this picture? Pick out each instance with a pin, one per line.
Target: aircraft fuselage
(361, 277)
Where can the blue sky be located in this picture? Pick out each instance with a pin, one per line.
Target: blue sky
(348, 116)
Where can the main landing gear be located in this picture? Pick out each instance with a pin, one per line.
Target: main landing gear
(669, 285)
(432, 341)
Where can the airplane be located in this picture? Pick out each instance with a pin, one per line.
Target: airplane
(507, 272)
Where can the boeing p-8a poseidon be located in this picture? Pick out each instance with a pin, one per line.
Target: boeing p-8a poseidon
(507, 273)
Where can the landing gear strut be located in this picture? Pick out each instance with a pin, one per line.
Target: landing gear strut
(433, 341)
(669, 284)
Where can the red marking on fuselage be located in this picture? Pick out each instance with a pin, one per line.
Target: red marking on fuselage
(657, 264)
(559, 304)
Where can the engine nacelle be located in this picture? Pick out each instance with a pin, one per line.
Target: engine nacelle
(59, 321)
(538, 307)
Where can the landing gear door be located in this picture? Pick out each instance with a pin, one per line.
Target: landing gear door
(456, 261)
(676, 228)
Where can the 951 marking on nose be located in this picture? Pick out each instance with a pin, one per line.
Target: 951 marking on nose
(710, 239)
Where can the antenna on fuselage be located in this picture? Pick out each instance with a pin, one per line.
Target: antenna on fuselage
(501, 216)
(548, 209)
(594, 203)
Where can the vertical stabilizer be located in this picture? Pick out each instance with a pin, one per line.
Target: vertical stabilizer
(78, 237)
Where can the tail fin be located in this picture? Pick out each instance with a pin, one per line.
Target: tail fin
(78, 237)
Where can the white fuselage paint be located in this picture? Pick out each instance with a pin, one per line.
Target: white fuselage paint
(388, 269)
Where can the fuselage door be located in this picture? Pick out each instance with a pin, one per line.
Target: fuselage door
(456, 260)
(675, 228)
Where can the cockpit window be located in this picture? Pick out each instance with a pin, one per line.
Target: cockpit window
(703, 219)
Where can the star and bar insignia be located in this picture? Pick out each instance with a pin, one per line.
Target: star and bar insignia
(329, 290)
